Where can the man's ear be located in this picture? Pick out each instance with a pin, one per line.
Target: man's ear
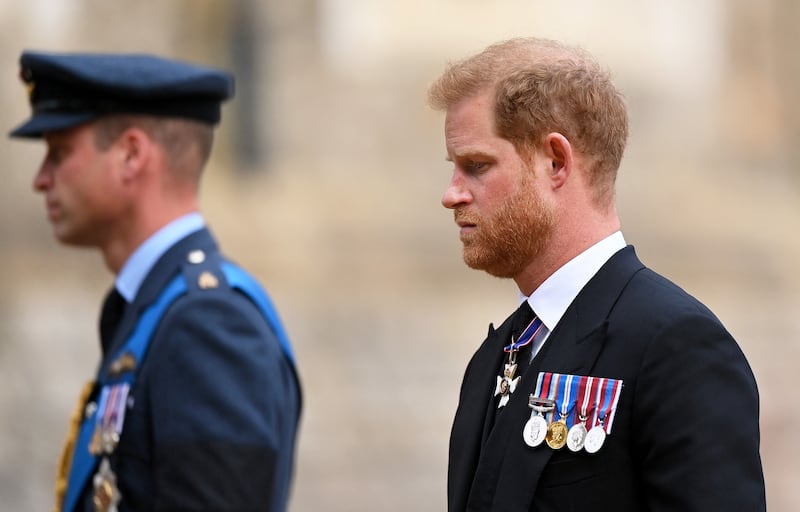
(558, 151)
(135, 151)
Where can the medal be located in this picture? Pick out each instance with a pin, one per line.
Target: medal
(110, 417)
(557, 431)
(586, 407)
(535, 429)
(606, 399)
(576, 436)
(557, 434)
(595, 438)
(507, 382)
(106, 493)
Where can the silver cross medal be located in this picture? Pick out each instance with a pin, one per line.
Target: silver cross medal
(507, 383)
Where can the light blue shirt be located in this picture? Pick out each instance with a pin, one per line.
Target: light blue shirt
(137, 266)
(552, 298)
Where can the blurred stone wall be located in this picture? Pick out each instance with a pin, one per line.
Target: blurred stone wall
(326, 183)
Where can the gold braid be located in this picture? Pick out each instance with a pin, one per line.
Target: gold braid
(62, 477)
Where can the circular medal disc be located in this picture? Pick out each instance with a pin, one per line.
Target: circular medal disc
(535, 431)
(504, 386)
(557, 435)
(576, 437)
(594, 439)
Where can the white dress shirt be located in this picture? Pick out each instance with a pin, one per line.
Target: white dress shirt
(552, 298)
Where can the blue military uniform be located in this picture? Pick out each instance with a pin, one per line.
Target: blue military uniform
(204, 402)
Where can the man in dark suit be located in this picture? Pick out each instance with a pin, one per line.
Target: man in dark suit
(196, 401)
(610, 388)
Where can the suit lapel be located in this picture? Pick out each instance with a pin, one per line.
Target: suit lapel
(508, 470)
(473, 419)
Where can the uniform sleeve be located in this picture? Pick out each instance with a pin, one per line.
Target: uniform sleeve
(696, 421)
(224, 405)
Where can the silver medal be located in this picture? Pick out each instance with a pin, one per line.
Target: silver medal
(594, 439)
(576, 437)
(535, 430)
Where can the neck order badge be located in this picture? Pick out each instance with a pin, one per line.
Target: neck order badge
(507, 382)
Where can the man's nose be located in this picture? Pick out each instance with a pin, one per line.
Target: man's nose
(43, 179)
(456, 194)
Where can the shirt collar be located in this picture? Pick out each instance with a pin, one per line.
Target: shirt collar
(137, 266)
(552, 298)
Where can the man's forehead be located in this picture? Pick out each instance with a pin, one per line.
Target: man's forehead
(72, 132)
(469, 126)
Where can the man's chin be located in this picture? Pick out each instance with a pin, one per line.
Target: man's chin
(66, 237)
(498, 269)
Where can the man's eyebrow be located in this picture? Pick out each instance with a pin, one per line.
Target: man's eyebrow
(470, 153)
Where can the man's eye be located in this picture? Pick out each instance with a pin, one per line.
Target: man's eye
(475, 167)
(53, 155)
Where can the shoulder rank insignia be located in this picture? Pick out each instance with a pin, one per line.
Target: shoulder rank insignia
(124, 363)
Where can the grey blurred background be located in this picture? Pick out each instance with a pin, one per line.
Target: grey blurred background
(326, 183)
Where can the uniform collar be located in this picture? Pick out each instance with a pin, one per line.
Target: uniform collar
(135, 269)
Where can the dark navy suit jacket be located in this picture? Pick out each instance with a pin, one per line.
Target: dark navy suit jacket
(685, 436)
(215, 406)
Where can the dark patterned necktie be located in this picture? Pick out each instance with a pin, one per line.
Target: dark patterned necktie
(113, 309)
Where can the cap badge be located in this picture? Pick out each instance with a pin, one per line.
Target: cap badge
(27, 78)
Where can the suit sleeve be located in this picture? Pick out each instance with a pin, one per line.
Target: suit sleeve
(224, 405)
(696, 416)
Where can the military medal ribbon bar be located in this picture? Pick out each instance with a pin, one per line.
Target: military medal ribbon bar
(578, 410)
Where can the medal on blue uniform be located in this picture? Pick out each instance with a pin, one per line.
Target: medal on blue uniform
(507, 382)
(110, 417)
(106, 495)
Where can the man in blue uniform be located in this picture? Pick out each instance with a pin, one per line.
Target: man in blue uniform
(196, 401)
(610, 389)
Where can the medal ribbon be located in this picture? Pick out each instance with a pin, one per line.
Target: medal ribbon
(585, 392)
(112, 406)
(539, 383)
(615, 391)
(605, 404)
(526, 337)
(566, 380)
(552, 382)
(596, 398)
